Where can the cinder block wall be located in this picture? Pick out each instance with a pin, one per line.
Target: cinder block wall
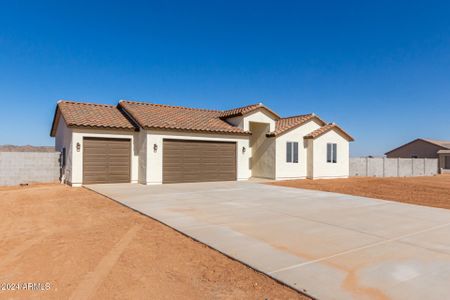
(393, 167)
(28, 167)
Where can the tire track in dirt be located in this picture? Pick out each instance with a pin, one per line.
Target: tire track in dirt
(86, 288)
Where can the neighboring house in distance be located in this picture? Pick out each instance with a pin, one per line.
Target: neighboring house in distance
(425, 148)
(149, 143)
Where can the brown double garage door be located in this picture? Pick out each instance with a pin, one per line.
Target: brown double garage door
(109, 161)
(198, 161)
(106, 160)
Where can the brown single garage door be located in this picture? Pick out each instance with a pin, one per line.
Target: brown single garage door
(197, 161)
(106, 160)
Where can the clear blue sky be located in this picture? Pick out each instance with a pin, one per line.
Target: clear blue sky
(379, 69)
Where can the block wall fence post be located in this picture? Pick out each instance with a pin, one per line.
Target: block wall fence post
(424, 167)
(367, 166)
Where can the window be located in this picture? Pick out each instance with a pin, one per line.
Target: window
(332, 153)
(292, 152)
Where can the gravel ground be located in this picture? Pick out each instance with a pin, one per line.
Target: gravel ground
(429, 191)
(87, 246)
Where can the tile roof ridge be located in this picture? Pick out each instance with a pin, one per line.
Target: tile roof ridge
(169, 106)
(246, 109)
(298, 116)
(326, 126)
(244, 106)
(84, 103)
(321, 130)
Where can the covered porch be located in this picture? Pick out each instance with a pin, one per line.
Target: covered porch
(444, 161)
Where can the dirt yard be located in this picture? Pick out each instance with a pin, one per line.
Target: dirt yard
(430, 191)
(86, 246)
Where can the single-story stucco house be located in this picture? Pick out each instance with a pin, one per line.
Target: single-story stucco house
(425, 148)
(150, 143)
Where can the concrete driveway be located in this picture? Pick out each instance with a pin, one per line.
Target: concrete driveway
(330, 246)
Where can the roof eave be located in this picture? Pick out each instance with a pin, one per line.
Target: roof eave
(102, 127)
(245, 133)
(239, 114)
(346, 135)
(312, 117)
(418, 139)
(56, 117)
(444, 151)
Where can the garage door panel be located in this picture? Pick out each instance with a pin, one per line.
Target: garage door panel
(196, 161)
(96, 151)
(91, 161)
(119, 177)
(106, 160)
(94, 170)
(95, 156)
(119, 159)
(114, 150)
(96, 179)
(118, 171)
(121, 165)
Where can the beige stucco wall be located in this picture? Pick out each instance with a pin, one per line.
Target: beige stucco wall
(285, 170)
(142, 149)
(310, 158)
(260, 115)
(77, 157)
(262, 162)
(323, 169)
(63, 139)
(154, 163)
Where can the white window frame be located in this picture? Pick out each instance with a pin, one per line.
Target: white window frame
(332, 153)
(292, 158)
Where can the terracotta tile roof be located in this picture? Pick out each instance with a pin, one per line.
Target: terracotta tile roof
(284, 124)
(244, 110)
(157, 116)
(127, 115)
(77, 114)
(324, 129)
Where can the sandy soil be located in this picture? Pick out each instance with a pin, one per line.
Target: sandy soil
(87, 246)
(430, 191)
